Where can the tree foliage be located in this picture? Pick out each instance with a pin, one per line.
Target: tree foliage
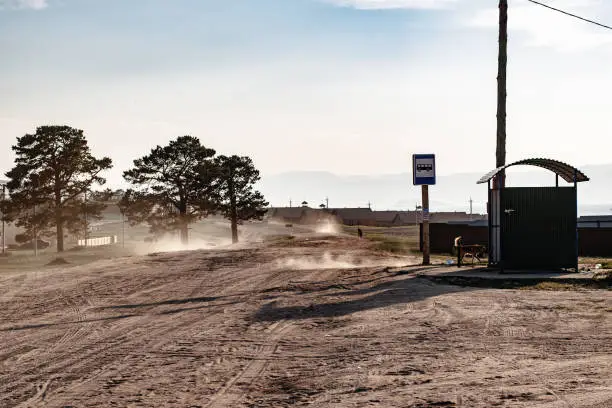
(238, 200)
(51, 187)
(173, 186)
(53, 170)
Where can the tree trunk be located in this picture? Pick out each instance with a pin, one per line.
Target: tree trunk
(59, 219)
(233, 210)
(184, 229)
(60, 236)
(234, 228)
(59, 224)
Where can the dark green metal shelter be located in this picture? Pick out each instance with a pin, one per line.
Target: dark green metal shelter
(534, 228)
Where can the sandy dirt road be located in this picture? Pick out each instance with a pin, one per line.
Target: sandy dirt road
(291, 323)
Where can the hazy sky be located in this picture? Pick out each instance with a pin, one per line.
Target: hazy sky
(347, 86)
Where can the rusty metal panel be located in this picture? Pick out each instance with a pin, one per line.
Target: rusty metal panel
(564, 170)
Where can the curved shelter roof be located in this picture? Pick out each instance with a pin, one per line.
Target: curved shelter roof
(563, 170)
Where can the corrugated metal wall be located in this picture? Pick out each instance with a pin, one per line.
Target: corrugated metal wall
(591, 241)
(495, 224)
(596, 242)
(442, 236)
(539, 227)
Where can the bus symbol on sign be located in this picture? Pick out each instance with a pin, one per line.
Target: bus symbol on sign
(424, 169)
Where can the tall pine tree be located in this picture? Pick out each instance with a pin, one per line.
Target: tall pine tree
(53, 170)
(173, 187)
(239, 201)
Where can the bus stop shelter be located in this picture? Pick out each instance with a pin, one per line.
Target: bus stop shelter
(534, 228)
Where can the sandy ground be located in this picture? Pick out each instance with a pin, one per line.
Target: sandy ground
(310, 321)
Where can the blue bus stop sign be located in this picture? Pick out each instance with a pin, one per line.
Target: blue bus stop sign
(424, 169)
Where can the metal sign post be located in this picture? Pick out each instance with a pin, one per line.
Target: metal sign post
(424, 175)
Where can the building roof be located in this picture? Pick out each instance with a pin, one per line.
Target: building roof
(454, 217)
(353, 213)
(409, 216)
(563, 170)
(385, 216)
(286, 212)
(475, 223)
(595, 218)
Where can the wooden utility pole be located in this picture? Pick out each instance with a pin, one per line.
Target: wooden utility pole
(425, 204)
(502, 61)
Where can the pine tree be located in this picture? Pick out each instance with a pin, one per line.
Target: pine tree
(53, 169)
(238, 200)
(173, 187)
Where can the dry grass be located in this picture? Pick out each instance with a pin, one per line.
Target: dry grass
(25, 260)
(395, 240)
(404, 240)
(605, 262)
(553, 286)
(525, 283)
(393, 245)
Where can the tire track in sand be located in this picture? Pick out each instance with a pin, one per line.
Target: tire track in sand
(113, 349)
(230, 394)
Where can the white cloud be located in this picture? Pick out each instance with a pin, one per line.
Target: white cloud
(393, 4)
(24, 4)
(548, 28)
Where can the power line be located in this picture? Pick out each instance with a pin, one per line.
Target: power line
(570, 14)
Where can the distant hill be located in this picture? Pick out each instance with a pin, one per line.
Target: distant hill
(452, 193)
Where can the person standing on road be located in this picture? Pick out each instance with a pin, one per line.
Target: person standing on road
(458, 243)
(359, 233)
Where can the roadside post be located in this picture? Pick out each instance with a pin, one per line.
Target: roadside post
(424, 175)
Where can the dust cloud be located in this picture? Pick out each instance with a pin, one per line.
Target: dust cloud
(212, 234)
(328, 227)
(331, 261)
(174, 244)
